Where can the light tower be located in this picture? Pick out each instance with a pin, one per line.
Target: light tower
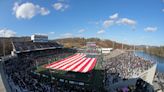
(4, 42)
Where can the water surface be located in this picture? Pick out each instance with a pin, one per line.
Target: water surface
(159, 60)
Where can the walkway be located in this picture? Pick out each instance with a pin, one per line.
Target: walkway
(4, 87)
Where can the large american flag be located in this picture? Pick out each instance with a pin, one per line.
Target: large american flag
(75, 63)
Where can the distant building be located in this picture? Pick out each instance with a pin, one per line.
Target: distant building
(91, 48)
(91, 44)
(105, 50)
(39, 38)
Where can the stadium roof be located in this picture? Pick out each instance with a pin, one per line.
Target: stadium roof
(75, 63)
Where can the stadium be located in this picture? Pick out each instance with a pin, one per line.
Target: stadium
(41, 65)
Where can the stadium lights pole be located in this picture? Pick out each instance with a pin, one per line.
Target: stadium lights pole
(134, 48)
(113, 44)
(36, 64)
(4, 42)
(104, 83)
(122, 46)
(72, 44)
(160, 47)
(50, 71)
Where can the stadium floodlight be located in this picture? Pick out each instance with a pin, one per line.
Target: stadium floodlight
(50, 71)
(113, 44)
(122, 46)
(3, 41)
(4, 32)
(36, 64)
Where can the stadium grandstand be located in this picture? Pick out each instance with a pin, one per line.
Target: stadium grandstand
(37, 42)
(47, 66)
(33, 46)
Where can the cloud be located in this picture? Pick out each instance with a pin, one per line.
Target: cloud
(41, 34)
(47, 34)
(94, 22)
(28, 10)
(163, 1)
(162, 10)
(81, 30)
(108, 23)
(7, 33)
(150, 29)
(44, 11)
(101, 31)
(51, 33)
(126, 21)
(114, 20)
(67, 35)
(60, 6)
(114, 16)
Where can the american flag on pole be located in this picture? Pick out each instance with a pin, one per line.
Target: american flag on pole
(75, 63)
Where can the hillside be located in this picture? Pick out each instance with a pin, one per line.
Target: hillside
(81, 42)
(67, 42)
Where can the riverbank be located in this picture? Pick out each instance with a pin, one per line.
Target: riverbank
(158, 51)
(157, 59)
(151, 53)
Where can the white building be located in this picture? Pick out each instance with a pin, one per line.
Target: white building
(39, 38)
(105, 50)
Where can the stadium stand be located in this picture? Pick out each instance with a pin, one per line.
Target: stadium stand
(20, 73)
(123, 67)
(33, 46)
(28, 71)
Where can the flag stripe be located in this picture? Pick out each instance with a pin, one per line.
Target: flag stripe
(89, 65)
(81, 65)
(76, 63)
(48, 66)
(59, 62)
(92, 66)
(74, 66)
(82, 68)
(66, 62)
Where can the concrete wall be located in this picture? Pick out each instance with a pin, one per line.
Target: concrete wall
(148, 75)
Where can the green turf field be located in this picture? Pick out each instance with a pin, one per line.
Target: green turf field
(94, 81)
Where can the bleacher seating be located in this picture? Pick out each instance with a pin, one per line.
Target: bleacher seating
(32, 46)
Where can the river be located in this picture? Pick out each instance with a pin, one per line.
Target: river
(159, 60)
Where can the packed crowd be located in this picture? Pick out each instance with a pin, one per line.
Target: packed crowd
(160, 75)
(21, 79)
(140, 86)
(124, 66)
(159, 81)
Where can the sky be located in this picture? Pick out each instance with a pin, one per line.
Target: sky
(139, 22)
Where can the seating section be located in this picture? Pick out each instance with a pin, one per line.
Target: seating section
(31, 46)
